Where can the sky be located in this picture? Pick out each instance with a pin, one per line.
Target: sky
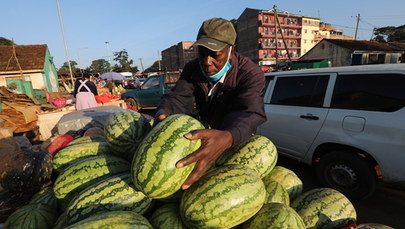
(145, 28)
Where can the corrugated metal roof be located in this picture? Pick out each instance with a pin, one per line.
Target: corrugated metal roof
(397, 44)
(30, 57)
(359, 45)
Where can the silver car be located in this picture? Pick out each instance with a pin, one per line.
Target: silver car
(347, 121)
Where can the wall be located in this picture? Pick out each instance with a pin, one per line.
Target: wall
(327, 51)
(310, 27)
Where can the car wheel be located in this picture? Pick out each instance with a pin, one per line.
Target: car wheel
(132, 104)
(348, 173)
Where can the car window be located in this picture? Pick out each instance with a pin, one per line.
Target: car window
(170, 80)
(151, 83)
(379, 92)
(300, 91)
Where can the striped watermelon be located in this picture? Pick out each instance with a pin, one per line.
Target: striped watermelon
(85, 139)
(167, 217)
(373, 226)
(275, 216)
(74, 153)
(223, 197)
(87, 172)
(113, 219)
(46, 196)
(173, 198)
(32, 216)
(124, 130)
(61, 222)
(111, 194)
(153, 168)
(288, 179)
(324, 208)
(258, 153)
(275, 192)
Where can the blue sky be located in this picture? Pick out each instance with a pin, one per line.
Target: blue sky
(145, 28)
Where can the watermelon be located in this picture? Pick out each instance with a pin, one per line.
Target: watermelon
(167, 217)
(74, 153)
(173, 198)
(32, 216)
(115, 193)
(153, 168)
(324, 208)
(223, 197)
(288, 179)
(275, 192)
(61, 222)
(258, 153)
(373, 226)
(85, 139)
(113, 219)
(46, 196)
(87, 172)
(124, 130)
(275, 216)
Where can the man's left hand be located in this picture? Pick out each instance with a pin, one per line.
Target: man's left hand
(213, 144)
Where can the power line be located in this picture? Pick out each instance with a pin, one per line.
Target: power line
(348, 27)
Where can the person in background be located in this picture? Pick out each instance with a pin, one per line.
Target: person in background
(226, 91)
(110, 85)
(85, 92)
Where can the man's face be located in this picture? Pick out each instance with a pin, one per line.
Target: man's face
(212, 61)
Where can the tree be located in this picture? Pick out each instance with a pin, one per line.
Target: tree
(155, 67)
(390, 34)
(65, 66)
(99, 66)
(5, 41)
(124, 63)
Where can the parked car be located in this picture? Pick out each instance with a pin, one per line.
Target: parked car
(349, 122)
(149, 93)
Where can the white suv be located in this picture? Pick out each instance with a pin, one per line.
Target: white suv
(347, 121)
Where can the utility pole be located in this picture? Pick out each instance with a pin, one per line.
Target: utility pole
(158, 59)
(140, 60)
(357, 26)
(109, 54)
(64, 41)
(275, 36)
(282, 35)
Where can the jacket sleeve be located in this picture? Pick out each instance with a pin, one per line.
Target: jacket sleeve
(248, 105)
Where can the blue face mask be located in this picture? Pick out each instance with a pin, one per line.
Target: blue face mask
(216, 77)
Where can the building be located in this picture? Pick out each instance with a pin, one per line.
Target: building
(340, 52)
(258, 39)
(28, 69)
(175, 57)
(400, 46)
(313, 31)
(261, 39)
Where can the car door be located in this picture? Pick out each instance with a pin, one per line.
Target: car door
(150, 92)
(295, 110)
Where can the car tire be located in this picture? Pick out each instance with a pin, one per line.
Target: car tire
(132, 104)
(348, 173)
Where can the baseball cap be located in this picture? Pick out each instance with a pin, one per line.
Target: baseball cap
(216, 33)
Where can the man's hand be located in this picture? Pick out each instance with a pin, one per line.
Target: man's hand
(213, 144)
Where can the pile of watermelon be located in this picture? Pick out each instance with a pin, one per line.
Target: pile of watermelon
(127, 179)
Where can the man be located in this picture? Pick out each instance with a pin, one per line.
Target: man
(221, 88)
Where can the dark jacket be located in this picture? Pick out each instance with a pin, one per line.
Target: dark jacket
(91, 85)
(236, 105)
